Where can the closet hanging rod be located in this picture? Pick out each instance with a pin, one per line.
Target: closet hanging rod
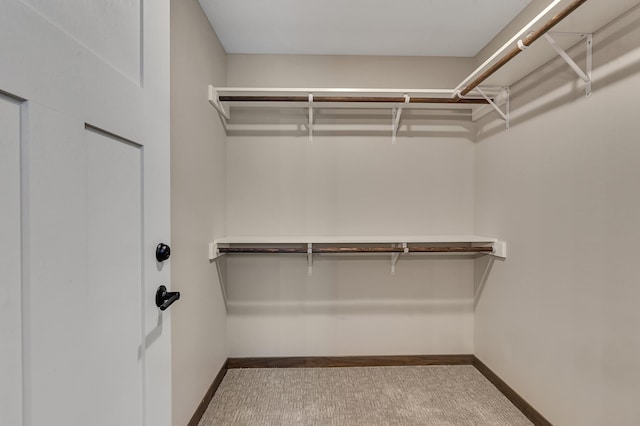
(355, 99)
(521, 46)
(505, 46)
(337, 250)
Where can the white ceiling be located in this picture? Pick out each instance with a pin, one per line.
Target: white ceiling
(359, 27)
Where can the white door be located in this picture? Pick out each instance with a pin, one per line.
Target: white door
(84, 190)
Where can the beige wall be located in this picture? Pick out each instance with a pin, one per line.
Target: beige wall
(198, 145)
(346, 71)
(558, 319)
(349, 185)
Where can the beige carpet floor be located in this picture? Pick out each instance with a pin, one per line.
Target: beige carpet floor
(422, 395)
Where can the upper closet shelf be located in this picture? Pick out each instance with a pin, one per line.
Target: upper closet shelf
(471, 97)
(395, 245)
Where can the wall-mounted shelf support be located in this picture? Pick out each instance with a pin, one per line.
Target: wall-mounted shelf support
(309, 259)
(585, 76)
(396, 255)
(396, 114)
(310, 119)
(505, 115)
(213, 251)
(214, 100)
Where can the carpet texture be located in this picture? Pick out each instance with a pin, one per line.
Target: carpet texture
(420, 395)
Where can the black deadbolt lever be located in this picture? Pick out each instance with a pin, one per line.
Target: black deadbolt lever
(165, 298)
(163, 252)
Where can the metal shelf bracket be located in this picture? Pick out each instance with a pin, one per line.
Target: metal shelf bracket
(396, 114)
(396, 256)
(214, 100)
(310, 121)
(309, 259)
(506, 116)
(585, 76)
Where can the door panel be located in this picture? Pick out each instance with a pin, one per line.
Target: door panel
(58, 299)
(41, 62)
(95, 349)
(10, 264)
(115, 282)
(109, 29)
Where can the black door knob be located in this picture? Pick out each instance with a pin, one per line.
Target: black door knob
(165, 298)
(163, 252)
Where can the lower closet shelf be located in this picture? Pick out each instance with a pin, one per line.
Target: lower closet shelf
(395, 245)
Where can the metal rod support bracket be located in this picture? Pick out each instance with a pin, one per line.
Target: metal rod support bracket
(310, 259)
(585, 76)
(499, 250)
(521, 45)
